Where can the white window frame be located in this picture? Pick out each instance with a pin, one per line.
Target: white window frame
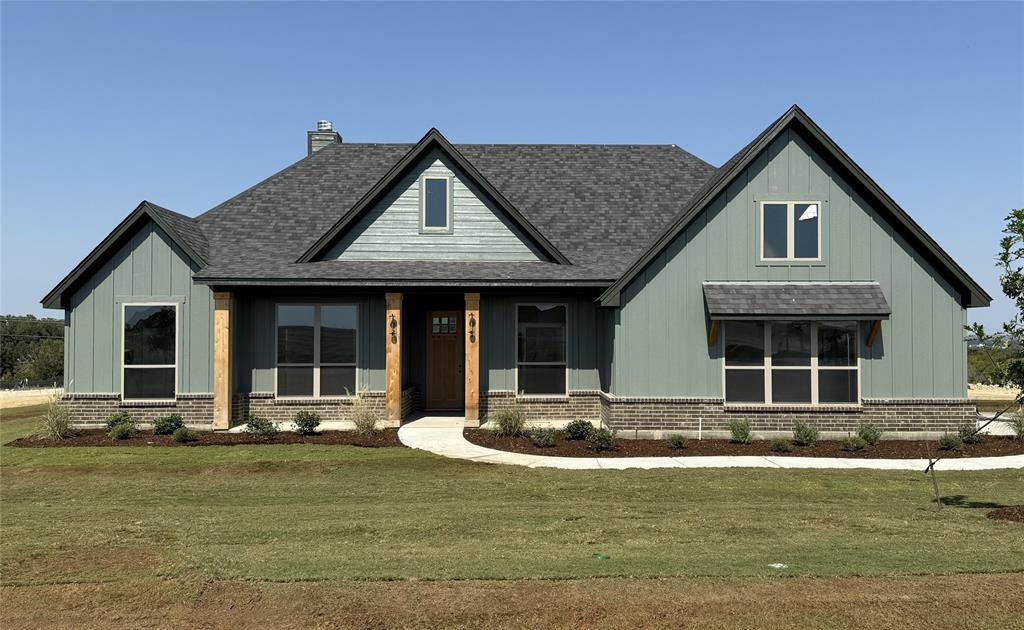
(813, 367)
(565, 341)
(449, 210)
(790, 230)
(177, 352)
(316, 365)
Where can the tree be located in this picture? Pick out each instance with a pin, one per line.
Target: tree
(1010, 262)
(31, 348)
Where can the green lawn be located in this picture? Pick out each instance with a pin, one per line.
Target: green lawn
(306, 512)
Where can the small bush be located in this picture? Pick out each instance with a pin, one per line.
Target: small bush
(260, 427)
(578, 429)
(56, 421)
(951, 442)
(804, 433)
(166, 425)
(543, 437)
(853, 443)
(602, 440)
(366, 419)
(781, 445)
(307, 421)
(678, 441)
(119, 417)
(185, 434)
(122, 431)
(1017, 424)
(970, 434)
(869, 433)
(510, 421)
(740, 430)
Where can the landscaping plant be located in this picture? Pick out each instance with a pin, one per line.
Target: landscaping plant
(781, 445)
(678, 441)
(578, 429)
(260, 427)
(119, 417)
(804, 433)
(166, 425)
(950, 442)
(1017, 424)
(55, 423)
(307, 421)
(970, 434)
(869, 432)
(122, 431)
(510, 421)
(185, 434)
(853, 443)
(740, 430)
(366, 419)
(543, 437)
(602, 439)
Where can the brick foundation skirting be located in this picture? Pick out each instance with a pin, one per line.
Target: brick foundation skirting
(331, 410)
(89, 410)
(554, 410)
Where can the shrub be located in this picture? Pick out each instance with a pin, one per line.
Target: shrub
(166, 425)
(543, 436)
(970, 434)
(869, 433)
(260, 427)
(307, 421)
(853, 443)
(781, 445)
(950, 442)
(602, 440)
(804, 433)
(510, 421)
(119, 417)
(740, 430)
(56, 421)
(366, 419)
(185, 434)
(579, 429)
(1017, 424)
(122, 431)
(678, 441)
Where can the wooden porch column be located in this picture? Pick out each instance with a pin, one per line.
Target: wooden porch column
(393, 343)
(471, 326)
(222, 303)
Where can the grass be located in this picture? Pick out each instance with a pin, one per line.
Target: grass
(116, 518)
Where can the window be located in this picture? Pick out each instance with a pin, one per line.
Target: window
(316, 350)
(791, 362)
(150, 365)
(444, 326)
(435, 201)
(790, 230)
(540, 353)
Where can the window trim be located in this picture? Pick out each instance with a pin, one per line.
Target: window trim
(790, 230)
(813, 367)
(450, 210)
(316, 365)
(177, 352)
(515, 340)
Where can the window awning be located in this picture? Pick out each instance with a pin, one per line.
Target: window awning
(796, 300)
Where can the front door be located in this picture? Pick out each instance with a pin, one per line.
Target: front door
(444, 360)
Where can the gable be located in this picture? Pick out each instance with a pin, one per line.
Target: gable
(390, 228)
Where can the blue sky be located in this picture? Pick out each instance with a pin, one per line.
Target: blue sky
(104, 105)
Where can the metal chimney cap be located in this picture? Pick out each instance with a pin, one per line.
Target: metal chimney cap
(324, 125)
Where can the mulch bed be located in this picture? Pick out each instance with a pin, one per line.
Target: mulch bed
(1009, 513)
(96, 437)
(886, 449)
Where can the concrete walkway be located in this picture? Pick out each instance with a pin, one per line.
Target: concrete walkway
(442, 435)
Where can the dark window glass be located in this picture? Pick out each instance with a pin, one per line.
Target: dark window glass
(295, 381)
(337, 381)
(837, 343)
(805, 230)
(744, 343)
(337, 333)
(744, 386)
(837, 386)
(775, 230)
(294, 333)
(149, 383)
(149, 335)
(791, 343)
(542, 379)
(435, 204)
(541, 337)
(791, 386)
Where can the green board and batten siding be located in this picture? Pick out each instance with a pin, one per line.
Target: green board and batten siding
(660, 338)
(147, 268)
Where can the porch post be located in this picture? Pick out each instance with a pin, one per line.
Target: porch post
(222, 303)
(393, 343)
(471, 326)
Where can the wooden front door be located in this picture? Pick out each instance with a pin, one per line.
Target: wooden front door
(445, 383)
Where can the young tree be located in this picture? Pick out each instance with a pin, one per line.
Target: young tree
(1010, 262)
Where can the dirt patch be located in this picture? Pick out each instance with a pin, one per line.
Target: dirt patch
(1009, 513)
(14, 398)
(97, 437)
(886, 449)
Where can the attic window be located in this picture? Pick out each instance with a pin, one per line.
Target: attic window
(435, 204)
(790, 230)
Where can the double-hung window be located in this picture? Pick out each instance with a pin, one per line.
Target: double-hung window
(790, 230)
(150, 344)
(791, 362)
(541, 349)
(316, 350)
(436, 204)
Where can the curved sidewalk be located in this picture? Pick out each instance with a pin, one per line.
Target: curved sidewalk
(443, 436)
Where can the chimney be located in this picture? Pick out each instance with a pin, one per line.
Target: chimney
(323, 136)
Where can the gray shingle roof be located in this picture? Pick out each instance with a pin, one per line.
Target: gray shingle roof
(185, 228)
(777, 300)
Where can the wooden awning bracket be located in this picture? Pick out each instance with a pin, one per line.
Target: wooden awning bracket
(875, 327)
(713, 333)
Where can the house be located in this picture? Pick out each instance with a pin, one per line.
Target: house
(636, 285)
